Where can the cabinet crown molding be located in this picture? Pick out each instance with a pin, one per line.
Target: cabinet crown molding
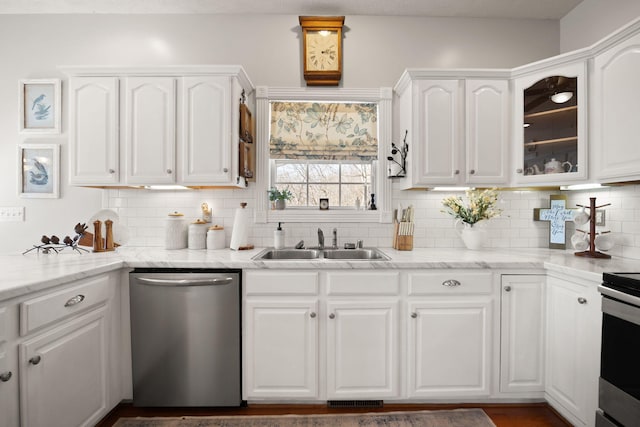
(160, 70)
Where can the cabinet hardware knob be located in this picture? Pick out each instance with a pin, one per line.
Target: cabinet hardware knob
(75, 300)
(169, 171)
(582, 300)
(332, 316)
(313, 315)
(456, 172)
(518, 170)
(414, 315)
(112, 171)
(225, 170)
(451, 283)
(5, 376)
(472, 171)
(35, 360)
(507, 288)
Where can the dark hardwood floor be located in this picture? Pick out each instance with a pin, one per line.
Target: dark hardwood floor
(502, 415)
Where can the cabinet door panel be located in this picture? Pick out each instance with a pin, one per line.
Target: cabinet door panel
(522, 343)
(362, 350)
(450, 348)
(616, 112)
(487, 118)
(436, 149)
(67, 385)
(206, 130)
(150, 113)
(93, 131)
(281, 349)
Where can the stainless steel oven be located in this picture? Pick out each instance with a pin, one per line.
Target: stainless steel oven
(619, 386)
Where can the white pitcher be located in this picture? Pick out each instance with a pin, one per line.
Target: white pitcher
(473, 237)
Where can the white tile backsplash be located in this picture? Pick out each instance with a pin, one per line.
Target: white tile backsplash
(144, 212)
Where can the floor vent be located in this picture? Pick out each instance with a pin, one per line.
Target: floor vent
(355, 403)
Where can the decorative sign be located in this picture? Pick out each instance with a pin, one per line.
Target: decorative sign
(557, 215)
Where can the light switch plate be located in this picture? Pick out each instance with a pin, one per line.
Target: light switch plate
(15, 213)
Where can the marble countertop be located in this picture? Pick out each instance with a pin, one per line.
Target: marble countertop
(32, 272)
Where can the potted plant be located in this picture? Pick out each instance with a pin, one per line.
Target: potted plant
(279, 198)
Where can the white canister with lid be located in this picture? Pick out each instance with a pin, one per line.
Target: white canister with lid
(198, 234)
(215, 237)
(175, 231)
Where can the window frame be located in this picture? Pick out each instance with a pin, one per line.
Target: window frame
(383, 186)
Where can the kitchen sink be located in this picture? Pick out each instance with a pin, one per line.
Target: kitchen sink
(370, 254)
(288, 254)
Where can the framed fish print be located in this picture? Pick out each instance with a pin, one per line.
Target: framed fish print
(39, 168)
(40, 103)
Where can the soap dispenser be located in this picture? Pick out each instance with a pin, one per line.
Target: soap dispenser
(278, 237)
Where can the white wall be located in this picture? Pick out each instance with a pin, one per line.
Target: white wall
(592, 20)
(377, 49)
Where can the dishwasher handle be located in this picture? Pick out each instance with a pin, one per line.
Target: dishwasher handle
(209, 281)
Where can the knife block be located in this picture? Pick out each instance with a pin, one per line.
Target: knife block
(401, 242)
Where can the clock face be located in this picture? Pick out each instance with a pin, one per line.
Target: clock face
(322, 51)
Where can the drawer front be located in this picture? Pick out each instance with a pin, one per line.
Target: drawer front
(363, 282)
(454, 282)
(39, 312)
(281, 283)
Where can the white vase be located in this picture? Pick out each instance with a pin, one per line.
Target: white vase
(281, 204)
(473, 236)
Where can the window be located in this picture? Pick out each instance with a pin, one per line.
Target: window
(323, 143)
(323, 150)
(346, 184)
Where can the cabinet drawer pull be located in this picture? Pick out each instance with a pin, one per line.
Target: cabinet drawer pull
(456, 172)
(451, 283)
(507, 288)
(35, 360)
(472, 171)
(332, 316)
(112, 171)
(582, 300)
(5, 376)
(414, 315)
(313, 315)
(169, 171)
(225, 170)
(75, 300)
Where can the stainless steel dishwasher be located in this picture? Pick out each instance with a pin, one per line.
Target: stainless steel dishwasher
(185, 337)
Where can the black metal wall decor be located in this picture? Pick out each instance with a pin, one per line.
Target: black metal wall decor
(402, 164)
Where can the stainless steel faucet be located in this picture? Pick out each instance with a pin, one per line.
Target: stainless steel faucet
(334, 242)
(320, 239)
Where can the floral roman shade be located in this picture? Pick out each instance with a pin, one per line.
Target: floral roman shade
(324, 131)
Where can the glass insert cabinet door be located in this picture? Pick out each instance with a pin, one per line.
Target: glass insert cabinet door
(550, 126)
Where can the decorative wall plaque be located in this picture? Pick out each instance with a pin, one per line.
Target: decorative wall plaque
(557, 214)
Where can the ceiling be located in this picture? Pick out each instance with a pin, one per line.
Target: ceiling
(524, 9)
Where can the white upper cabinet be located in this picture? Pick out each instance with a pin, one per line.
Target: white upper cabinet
(93, 131)
(550, 137)
(487, 131)
(615, 112)
(457, 129)
(205, 147)
(150, 130)
(160, 125)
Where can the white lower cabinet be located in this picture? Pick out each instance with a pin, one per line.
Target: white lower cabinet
(63, 379)
(573, 336)
(281, 348)
(522, 333)
(56, 355)
(450, 334)
(362, 349)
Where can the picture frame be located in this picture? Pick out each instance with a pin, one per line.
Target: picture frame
(40, 106)
(39, 171)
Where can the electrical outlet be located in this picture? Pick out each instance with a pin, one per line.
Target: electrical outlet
(15, 214)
